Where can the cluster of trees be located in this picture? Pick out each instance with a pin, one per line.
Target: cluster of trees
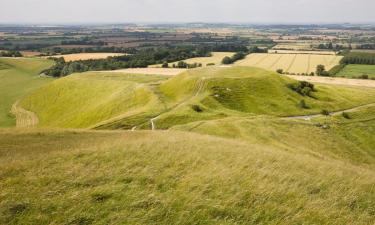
(10, 54)
(303, 88)
(230, 60)
(359, 58)
(183, 65)
(65, 51)
(140, 59)
(321, 71)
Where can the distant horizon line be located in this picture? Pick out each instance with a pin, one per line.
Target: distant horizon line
(179, 23)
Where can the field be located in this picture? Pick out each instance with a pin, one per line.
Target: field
(336, 81)
(302, 52)
(18, 77)
(290, 63)
(216, 58)
(86, 56)
(355, 71)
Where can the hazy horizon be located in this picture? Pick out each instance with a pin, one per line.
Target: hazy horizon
(186, 11)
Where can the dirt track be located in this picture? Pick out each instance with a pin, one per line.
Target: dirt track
(24, 118)
(336, 81)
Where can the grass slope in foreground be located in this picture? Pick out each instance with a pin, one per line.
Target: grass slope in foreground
(117, 101)
(18, 76)
(173, 178)
(355, 71)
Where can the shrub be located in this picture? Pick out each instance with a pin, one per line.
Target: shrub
(303, 88)
(364, 76)
(325, 112)
(303, 104)
(210, 64)
(165, 65)
(280, 71)
(197, 108)
(346, 115)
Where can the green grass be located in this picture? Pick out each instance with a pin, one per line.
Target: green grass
(173, 178)
(355, 71)
(86, 100)
(18, 77)
(117, 101)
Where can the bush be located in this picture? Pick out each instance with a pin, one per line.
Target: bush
(165, 65)
(304, 88)
(210, 64)
(197, 108)
(325, 112)
(303, 104)
(364, 76)
(346, 115)
(280, 71)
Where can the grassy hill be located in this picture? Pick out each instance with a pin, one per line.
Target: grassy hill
(173, 178)
(113, 101)
(84, 100)
(18, 77)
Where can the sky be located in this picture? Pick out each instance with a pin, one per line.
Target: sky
(180, 11)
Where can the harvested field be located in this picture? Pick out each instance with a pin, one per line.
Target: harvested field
(291, 63)
(216, 59)
(151, 71)
(301, 52)
(336, 81)
(30, 53)
(87, 56)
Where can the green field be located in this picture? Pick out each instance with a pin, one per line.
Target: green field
(17, 78)
(355, 71)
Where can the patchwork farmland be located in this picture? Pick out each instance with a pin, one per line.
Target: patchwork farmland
(290, 63)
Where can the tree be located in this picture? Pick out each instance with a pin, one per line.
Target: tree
(227, 60)
(321, 70)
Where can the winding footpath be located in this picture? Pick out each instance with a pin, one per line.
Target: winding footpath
(24, 118)
(199, 89)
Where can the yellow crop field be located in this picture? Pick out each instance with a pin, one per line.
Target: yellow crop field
(291, 63)
(301, 52)
(86, 56)
(216, 59)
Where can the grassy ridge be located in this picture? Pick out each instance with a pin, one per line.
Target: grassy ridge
(173, 178)
(244, 91)
(18, 77)
(115, 101)
(84, 100)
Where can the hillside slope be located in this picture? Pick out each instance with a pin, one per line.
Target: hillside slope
(118, 101)
(18, 76)
(173, 178)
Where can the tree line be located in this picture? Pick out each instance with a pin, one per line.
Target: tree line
(141, 59)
